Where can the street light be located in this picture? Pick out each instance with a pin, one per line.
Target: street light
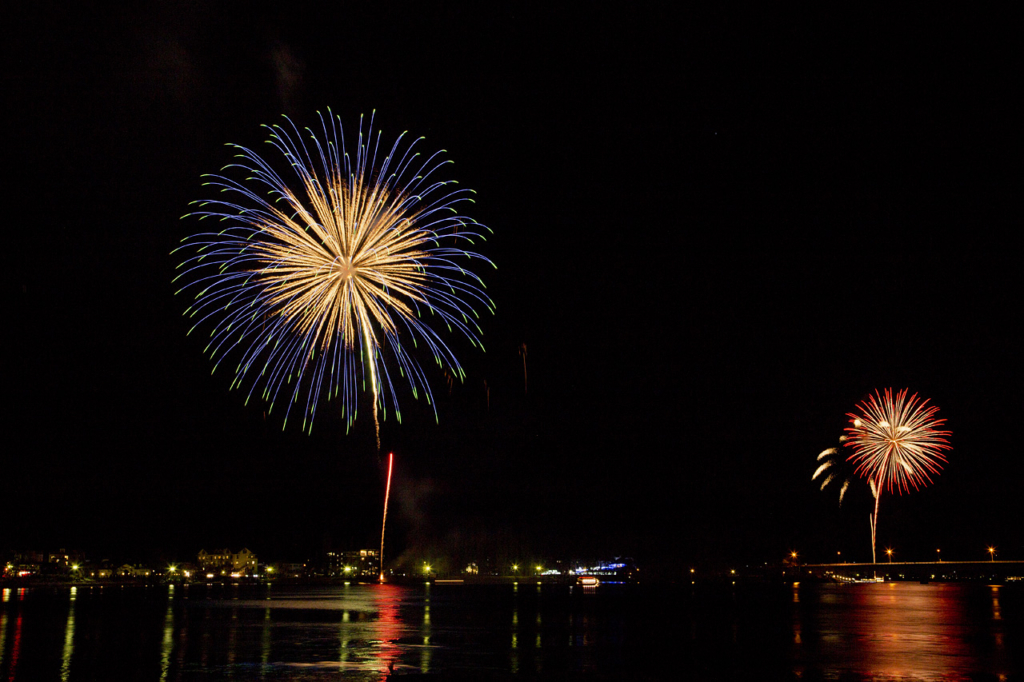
(992, 553)
(888, 551)
(938, 554)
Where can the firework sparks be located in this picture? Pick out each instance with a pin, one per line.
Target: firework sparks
(319, 289)
(898, 443)
(833, 467)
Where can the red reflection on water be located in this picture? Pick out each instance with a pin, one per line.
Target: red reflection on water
(388, 626)
(15, 648)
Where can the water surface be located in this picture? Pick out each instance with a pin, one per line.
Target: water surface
(954, 631)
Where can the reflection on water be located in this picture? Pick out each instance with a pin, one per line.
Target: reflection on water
(905, 631)
(366, 632)
(389, 626)
(425, 633)
(796, 614)
(514, 654)
(265, 643)
(15, 650)
(69, 638)
(3, 631)
(166, 645)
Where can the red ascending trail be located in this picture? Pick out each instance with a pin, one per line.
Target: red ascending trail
(383, 523)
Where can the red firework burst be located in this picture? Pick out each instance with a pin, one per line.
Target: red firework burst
(897, 442)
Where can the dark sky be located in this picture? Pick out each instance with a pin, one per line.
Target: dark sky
(715, 235)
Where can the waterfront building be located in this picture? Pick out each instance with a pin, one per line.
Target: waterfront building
(359, 563)
(226, 562)
(136, 571)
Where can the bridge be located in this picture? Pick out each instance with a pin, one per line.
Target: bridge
(913, 570)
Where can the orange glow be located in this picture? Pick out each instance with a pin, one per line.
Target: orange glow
(915, 631)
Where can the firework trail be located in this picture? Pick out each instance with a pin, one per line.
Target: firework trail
(317, 278)
(897, 443)
(834, 465)
(522, 352)
(384, 521)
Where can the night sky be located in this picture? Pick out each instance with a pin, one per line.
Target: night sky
(715, 234)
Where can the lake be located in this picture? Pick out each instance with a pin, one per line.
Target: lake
(808, 631)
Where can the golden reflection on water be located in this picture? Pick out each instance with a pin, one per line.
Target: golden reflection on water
(69, 638)
(902, 630)
(796, 615)
(514, 653)
(343, 654)
(167, 644)
(3, 633)
(425, 632)
(914, 633)
(997, 614)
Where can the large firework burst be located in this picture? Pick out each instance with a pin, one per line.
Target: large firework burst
(318, 283)
(897, 442)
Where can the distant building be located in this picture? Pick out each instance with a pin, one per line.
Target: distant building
(226, 562)
(102, 572)
(37, 562)
(136, 571)
(187, 570)
(291, 569)
(360, 563)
